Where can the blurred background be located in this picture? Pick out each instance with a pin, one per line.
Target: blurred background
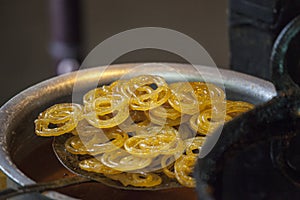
(28, 36)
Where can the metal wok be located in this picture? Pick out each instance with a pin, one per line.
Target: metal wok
(18, 141)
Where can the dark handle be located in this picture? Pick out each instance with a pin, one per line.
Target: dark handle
(41, 187)
(279, 149)
(284, 84)
(280, 76)
(258, 124)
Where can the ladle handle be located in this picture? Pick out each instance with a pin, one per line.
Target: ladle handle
(287, 86)
(280, 75)
(41, 187)
(260, 124)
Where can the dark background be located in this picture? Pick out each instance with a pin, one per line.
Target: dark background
(25, 33)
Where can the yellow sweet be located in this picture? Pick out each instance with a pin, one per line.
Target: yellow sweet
(137, 179)
(108, 111)
(63, 117)
(95, 165)
(151, 145)
(141, 129)
(183, 168)
(145, 92)
(123, 161)
(206, 122)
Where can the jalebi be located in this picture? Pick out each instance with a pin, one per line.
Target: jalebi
(183, 168)
(62, 117)
(137, 179)
(123, 161)
(108, 111)
(234, 108)
(146, 92)
(141, 131)
(151, 145)
(206, 122)
(95, 165)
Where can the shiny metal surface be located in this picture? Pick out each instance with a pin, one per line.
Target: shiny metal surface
(18, 114)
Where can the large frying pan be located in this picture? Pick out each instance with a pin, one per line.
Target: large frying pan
(17, 138)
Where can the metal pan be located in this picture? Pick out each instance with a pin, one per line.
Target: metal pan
(18, 141)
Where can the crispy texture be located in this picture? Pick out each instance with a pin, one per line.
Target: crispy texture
(141, 128)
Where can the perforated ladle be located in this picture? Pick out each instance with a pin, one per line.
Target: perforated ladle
(71, 162)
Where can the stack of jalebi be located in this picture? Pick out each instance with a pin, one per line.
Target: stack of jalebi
(140, 129)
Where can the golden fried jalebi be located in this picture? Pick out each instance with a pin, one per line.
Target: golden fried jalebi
(64, 117)
(97, 142)
(167, 163)
(89, 97)
(192, 97)
(154, 129)
(166, 111)
(206, 122)
(109, 111)
(74, 145)
(95, 165)
(193, 145)
(155, 165)
(183, 168)
(137, 179)
(234, 108)
(167, 121)
(136, 121)
(151, 145)
(185, 132)
(123, 161)
(207, 93)
(166, 115)
(141, 131)
(146, 92)
(176, 148)
(183, 98)
(102, 91)
(86, 130)
(109, 141)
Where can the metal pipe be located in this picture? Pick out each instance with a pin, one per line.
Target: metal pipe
(65, 34)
